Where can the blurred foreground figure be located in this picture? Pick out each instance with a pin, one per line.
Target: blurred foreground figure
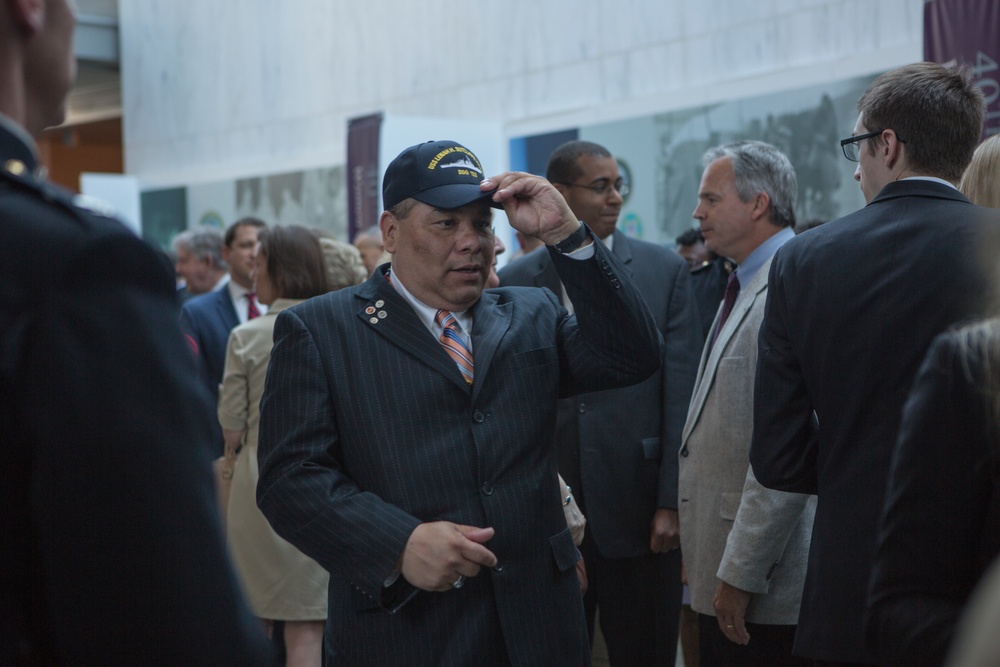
(112, 551)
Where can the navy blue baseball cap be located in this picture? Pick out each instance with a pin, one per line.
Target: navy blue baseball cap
(442, 174)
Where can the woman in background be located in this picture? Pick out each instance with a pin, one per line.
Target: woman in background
(981, 180)
(282, 583)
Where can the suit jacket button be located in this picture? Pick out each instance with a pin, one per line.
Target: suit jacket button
(684, 450)
(583, 408)
(487, 489)
(479, 417)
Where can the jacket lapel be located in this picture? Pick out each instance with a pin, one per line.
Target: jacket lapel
(546, 274)
(710, 358)
(226, 309)
(490, 322)
(382, 309)
(622, 250)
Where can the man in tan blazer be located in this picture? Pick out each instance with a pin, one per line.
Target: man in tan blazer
(744, 546)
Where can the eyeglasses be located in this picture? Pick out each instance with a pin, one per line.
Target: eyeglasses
(851, 145)
(602, 190)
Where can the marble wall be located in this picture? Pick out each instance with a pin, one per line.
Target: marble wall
(218, 89)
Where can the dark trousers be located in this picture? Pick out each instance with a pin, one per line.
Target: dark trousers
(769, 646)
(639, 601)
(828, 663)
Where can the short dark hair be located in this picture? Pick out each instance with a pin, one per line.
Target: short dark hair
(690, 237)
(760, 167)
(403, 208)
(295, 261)
(935, 111)
(242, 222)
(563, 167)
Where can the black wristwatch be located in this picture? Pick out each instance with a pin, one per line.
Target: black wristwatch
(573, 241)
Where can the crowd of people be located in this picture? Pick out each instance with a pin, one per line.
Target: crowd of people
(390, 453)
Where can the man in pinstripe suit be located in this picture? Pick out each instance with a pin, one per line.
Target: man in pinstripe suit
(429, 495)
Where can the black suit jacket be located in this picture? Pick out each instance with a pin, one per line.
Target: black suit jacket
(208, 319)
(112, 552)
(941, 526)
(367, 429)
(852, 308)
(618, 448)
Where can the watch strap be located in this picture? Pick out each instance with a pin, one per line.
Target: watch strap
(573, 241)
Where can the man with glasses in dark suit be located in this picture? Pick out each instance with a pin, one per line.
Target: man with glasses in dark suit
(852, 307)
(618, 448)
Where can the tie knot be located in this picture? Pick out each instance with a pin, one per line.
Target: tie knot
(446, 319)
(733, 285)
(253, 311)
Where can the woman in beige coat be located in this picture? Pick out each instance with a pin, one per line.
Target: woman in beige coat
(281, 582)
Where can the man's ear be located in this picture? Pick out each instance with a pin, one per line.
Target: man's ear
(761, 205)
(28, 15)
(389, 226)
(892, 150)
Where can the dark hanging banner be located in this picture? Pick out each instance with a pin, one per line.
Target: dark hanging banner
(968, 32)
(362, 173)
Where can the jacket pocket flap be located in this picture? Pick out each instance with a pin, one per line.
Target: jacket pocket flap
(729, 505)
(564, 551)
(361, 601)
(536, 357)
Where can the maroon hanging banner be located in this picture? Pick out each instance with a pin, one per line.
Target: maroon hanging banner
(968, 32)
(362, 173)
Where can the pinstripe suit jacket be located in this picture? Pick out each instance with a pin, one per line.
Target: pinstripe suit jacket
(367, 429)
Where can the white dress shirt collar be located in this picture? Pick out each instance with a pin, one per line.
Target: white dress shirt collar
(428, 315)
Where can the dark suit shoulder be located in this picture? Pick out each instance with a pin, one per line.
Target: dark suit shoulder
(648, 247)
(524, 294)
(203, 303)
(48, 240)
(525, 266)
(346, 302)
(653, 254)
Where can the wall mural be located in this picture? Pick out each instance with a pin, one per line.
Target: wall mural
(314, 198)
(662, 153)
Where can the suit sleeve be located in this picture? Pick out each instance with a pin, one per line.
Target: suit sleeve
(122, 496)
(756, 543)
(192, 331)
(681, 354)
(783, 451)
(612, 341)
(936, 504)
(303, 489)
(234, 391)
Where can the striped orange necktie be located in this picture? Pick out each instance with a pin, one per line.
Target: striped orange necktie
(453, 345)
